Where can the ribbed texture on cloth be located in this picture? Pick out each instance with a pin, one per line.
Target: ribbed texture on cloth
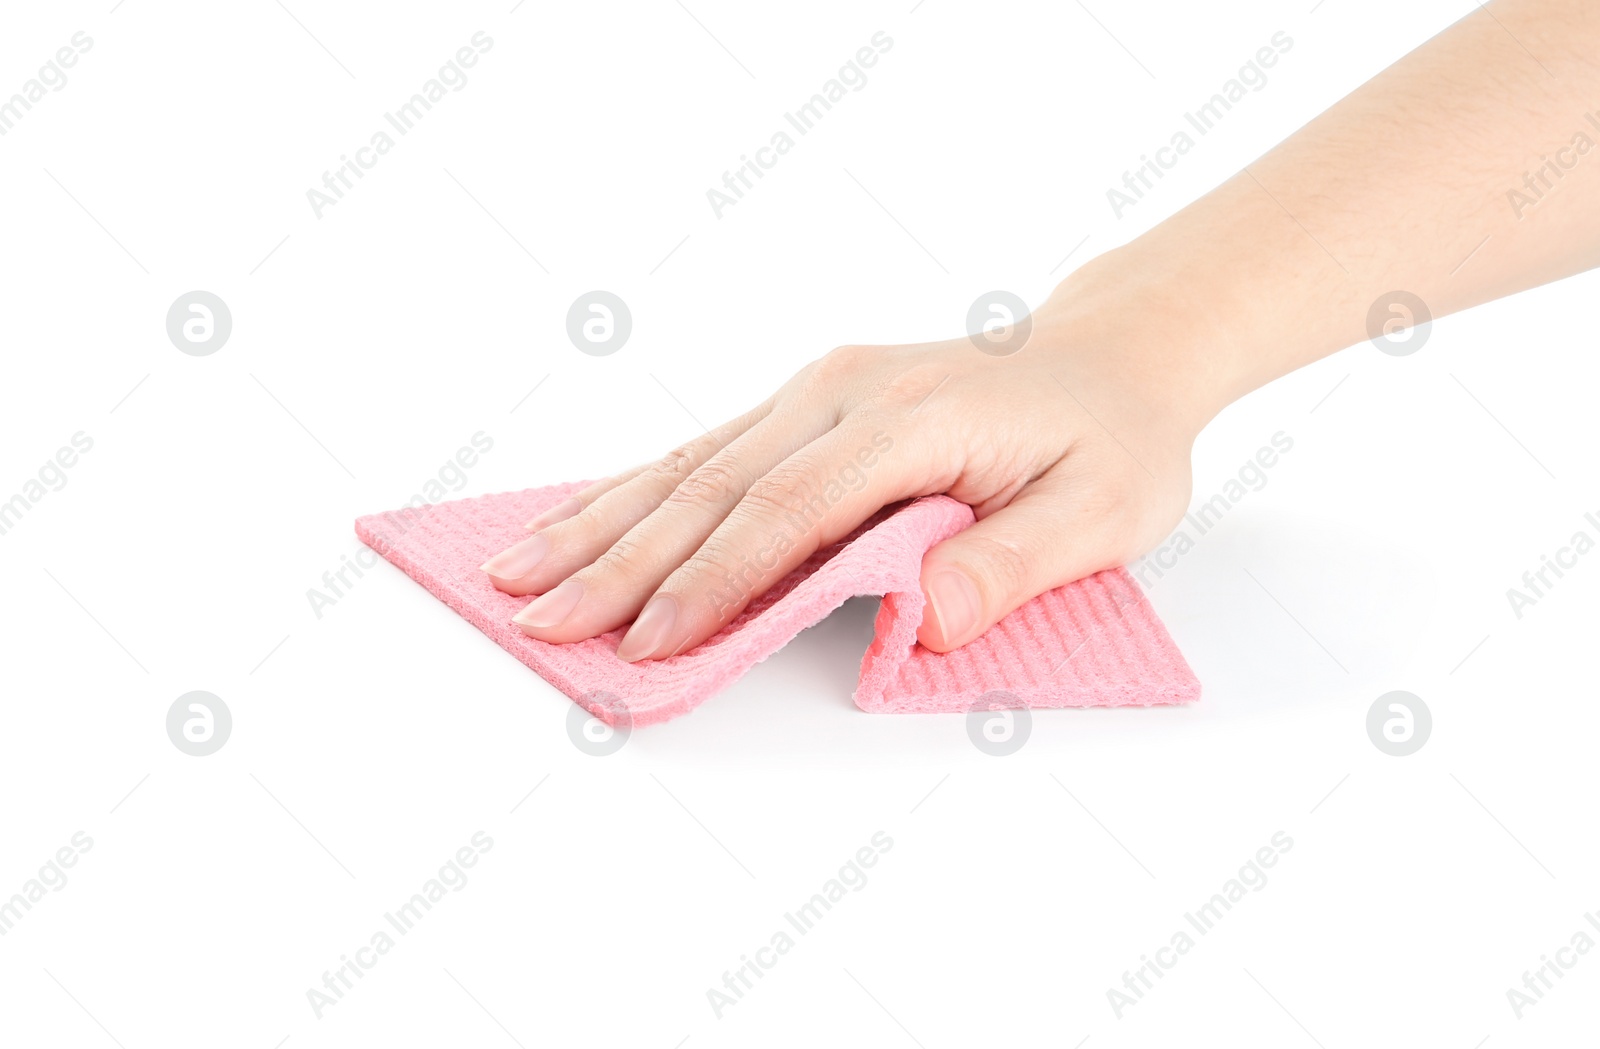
(1096, 642)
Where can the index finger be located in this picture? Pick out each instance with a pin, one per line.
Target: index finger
(815, 497)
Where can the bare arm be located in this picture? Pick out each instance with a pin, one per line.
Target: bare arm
(1461, 174)
(1467, 171)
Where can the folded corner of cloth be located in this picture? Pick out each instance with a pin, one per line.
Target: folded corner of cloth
(1093, 643)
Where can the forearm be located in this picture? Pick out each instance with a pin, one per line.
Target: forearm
(1072, 445)
(1417, 181)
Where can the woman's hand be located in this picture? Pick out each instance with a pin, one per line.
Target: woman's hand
(1073, 451)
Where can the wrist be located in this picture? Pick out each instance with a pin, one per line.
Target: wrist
(1153, 330)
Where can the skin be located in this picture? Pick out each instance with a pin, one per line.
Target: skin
(1074, 451)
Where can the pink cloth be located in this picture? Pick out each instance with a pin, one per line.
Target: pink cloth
(1096, 642)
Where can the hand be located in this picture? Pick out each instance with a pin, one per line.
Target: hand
(1073, 452)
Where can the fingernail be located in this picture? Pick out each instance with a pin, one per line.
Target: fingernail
(551, 609)
(648, 635)
(519, 560)
(559, 512)
(955, 604)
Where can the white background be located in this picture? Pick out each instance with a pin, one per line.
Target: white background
(372, 742)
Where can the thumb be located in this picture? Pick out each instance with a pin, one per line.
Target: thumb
(1051, 534)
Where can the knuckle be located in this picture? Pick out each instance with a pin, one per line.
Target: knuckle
(725, 585)
(625, 557)
(841, 365)
(911, 386)
(783, 492)
(677, 464)
(720, 481)
(709, 563)
(844, 359)
(1005, 563)
(732, 563)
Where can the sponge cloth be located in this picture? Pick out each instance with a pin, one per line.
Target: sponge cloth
(1096, 642)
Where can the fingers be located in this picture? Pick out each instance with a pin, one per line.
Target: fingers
(605, 511)
(1055, 531)
(813, 498)
(606, 583)
(575, 505)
